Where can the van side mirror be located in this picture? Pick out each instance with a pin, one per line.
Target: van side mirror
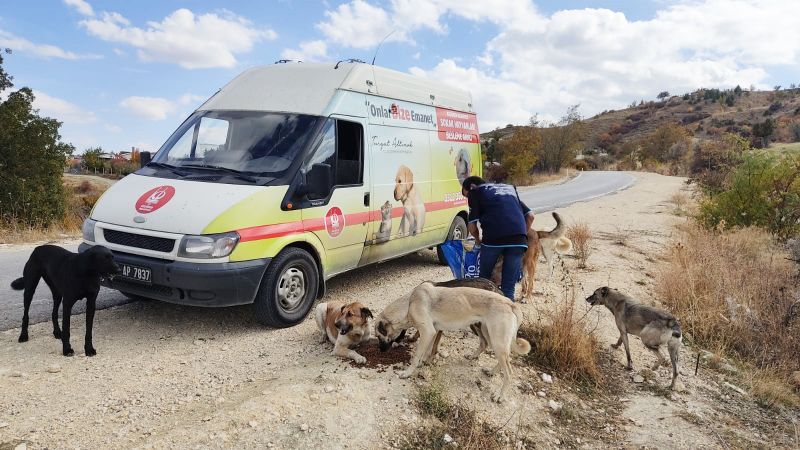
(145, 158)
(319, 181)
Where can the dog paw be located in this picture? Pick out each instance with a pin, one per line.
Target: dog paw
(57, 334)
(487, 371)
(360, 359)
(629, 367)
(498, 397)
(90, 351)
(395, 345)
(614, 346)
(405, 373)
(23, 338)
(68, 352)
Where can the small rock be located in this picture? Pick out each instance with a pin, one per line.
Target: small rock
(55, 368)
(547, 378)
(541, 394)
(554, 405)
(22, 446)
(733, 387)
(225, 348)
(329, 389)
(364, 375)
(252, 424)
(638, 378)
(3, 424)
(447, 438)
(313, 397)
(303, 427)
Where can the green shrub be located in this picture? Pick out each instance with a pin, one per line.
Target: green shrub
(763, 191)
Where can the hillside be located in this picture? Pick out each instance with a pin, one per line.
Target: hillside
(704, 113)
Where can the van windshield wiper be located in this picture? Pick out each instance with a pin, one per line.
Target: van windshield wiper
(169, 167)
(232, 172)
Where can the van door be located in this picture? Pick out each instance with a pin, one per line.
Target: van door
(340, 220)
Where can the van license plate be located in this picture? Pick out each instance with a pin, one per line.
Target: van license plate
(135, 273)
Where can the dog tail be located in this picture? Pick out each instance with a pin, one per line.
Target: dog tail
(676, 328)
(559, 230)
(521, 346)
(18, 284)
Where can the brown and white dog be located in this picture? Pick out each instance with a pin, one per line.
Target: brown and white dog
(345, 325)
(413, 206)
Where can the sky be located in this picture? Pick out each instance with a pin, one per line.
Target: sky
(124, 74)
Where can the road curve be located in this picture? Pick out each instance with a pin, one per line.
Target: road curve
(586, 186)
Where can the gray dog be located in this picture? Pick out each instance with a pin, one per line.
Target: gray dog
(654, 326)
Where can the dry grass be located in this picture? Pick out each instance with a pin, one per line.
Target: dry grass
(544, 177)
(563, 346)
(581, 237)
(736, 292)
(770, 388)
(446, 417)
(680, 201)
(81, 195)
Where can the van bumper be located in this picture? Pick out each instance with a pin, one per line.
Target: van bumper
(187, 283)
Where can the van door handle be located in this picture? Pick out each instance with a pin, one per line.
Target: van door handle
(366, 199)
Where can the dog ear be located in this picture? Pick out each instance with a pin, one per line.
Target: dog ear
(365, 312)
(341, 310)
(381, 328)
(604, 291)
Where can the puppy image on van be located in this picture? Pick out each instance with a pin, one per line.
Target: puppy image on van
(345, 325)
(463, 165)
(385, 230)
(413, 206)
(656, 327)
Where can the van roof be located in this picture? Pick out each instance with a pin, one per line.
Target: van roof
(308, 88)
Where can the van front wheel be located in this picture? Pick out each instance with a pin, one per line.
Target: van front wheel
(458, 231)
(288, 289)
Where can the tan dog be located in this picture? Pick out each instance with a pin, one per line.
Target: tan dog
(413, 206)
(432, 309)
(545, 242)
(345, 326)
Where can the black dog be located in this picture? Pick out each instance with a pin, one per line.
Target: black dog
(71, 277)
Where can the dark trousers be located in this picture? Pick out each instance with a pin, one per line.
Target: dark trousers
(512, 266)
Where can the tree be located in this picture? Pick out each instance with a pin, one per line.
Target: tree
(667, 143)
(662, 95)
(763, 131)
(91, 157)
(32, 160)
(561, 141)
(519, 150)
(737, 90)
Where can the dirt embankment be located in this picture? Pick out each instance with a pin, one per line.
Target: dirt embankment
(168, 376)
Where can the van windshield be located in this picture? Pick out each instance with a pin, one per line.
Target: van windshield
(235, 146)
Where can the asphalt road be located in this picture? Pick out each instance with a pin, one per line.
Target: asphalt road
(584, 187)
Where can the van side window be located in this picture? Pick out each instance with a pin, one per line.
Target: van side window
(350, 154)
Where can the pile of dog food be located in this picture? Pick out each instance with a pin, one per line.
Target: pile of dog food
(376, 359)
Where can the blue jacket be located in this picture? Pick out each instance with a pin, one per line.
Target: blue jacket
(501, 214)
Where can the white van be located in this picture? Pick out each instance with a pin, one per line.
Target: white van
(289, 175)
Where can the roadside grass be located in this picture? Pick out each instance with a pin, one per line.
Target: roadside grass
(545, 177)
(582, 238)
(81, 195)
(447, 424)
(735, 292)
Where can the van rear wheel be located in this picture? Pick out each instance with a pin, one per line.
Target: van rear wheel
(458, 231)
(288, 289)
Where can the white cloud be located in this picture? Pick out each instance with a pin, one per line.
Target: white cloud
(119, 52)
(192, 41)
(23, 45)
(191, 99)
(152, 108)
(603, 60)
(60, 109)
(308, 51)
(358, 24)
(82, 6)
(112, 128)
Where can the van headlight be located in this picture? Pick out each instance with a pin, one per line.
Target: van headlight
(208, 246)
(88, 230)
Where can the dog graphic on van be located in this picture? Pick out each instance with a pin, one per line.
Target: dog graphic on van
(463, 165)
(413, 207)
(385, 231)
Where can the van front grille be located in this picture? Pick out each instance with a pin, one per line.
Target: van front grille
(139, 241)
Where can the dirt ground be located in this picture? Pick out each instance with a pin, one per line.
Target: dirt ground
(168, 376)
